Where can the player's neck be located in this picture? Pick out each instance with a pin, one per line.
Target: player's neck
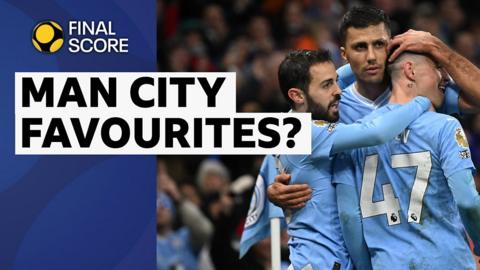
(371, 90)
(402, 93)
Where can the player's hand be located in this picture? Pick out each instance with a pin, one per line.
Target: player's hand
(288, 196)
(413, 41)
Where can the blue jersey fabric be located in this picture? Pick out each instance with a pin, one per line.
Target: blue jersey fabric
(410, 219)
(354, 106)
(315, 229)
(315, 232)
(175, 252)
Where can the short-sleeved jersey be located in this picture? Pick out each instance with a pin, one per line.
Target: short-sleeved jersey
(410, 219)
(315, 232)
(354, 106)
(315, 229)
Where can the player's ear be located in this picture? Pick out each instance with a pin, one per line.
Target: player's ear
(343, 53)
(408, 70)
(296, 95)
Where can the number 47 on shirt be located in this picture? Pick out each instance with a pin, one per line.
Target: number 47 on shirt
(390, 204)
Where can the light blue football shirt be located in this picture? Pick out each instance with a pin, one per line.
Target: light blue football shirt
(410, 219)
(315, 232)
(315, 229)
(354, 106)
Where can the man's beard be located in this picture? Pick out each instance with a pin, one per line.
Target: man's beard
(320, 113)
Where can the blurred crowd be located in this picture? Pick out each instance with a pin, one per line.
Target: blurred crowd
(203, 200)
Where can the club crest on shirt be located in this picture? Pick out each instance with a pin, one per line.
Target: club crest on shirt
(331, 127)
(460, 138)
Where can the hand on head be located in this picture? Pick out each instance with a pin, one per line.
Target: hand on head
(413, 41)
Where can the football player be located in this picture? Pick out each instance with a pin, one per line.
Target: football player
(410, 195)
(308, 82)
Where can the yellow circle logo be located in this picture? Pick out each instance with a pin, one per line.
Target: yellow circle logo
(47, 37)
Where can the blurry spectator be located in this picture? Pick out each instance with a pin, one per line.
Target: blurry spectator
(330, 11)
(259, 32)
(201, 63)
(179, 59)
(324, 40)
(236, 57)
(475, 30)
(294, 18)
(193, 39)
(226, 205)
(465, 45)
(190, 193)
(294, 21)
(401, 16)
(452, 16)
(426, 19)
(212, 177)
(216, 30)
(178, 248)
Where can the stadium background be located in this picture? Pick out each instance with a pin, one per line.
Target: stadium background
(251, 38)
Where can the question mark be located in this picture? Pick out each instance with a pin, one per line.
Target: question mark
(295, 129)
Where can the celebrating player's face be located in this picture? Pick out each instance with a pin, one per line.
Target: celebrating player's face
(366, 51)
(431, 80)
(323, 93)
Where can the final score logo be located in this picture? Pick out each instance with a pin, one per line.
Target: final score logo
(84, 37)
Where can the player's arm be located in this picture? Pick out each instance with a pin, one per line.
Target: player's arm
(349, 211)
(464, 73)
(458, 167)
(351, 223)
(378, 130)
(345, 76)
(284, 195)
(466, 196)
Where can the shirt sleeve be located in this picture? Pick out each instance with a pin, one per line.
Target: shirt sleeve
(345, 76)
(379, 129)
(454, 149)
(322, 140)
(466, 196)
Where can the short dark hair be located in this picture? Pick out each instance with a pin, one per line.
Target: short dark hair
(294, 71)
(362, 17)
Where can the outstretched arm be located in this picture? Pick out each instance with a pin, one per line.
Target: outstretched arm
(464, 73)
(380, 129)
(465, 194)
